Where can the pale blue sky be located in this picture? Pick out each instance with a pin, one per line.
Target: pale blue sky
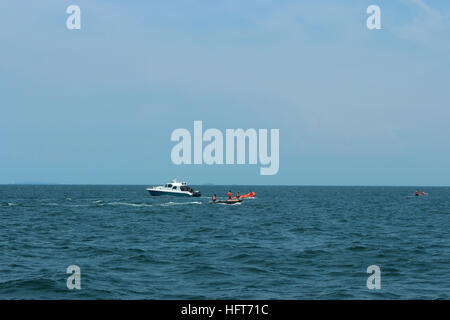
(98, 105)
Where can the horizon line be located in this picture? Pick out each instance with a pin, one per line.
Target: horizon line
(213, 184)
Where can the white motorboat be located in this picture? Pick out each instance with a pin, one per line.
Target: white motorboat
(174, 188)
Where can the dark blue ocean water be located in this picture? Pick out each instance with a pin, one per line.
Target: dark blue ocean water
(287, 243)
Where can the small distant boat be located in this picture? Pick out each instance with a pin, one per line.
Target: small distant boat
(174, 188)
(233, 201)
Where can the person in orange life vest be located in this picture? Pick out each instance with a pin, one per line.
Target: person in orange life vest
(230, 195)
(423, 193)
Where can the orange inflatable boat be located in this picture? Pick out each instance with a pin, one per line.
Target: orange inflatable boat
(251, 194)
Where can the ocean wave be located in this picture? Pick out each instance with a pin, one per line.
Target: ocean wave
(34, 283)
(51, 204)
(77, 205)
(10, 204)
(98, 203)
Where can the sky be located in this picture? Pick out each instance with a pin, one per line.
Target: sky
(98, 105)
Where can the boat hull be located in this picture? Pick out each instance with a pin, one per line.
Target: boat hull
(167, 193)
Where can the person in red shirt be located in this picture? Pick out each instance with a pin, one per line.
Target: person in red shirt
(230, 195)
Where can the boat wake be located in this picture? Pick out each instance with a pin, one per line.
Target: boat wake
(165, 204)
(130, 204)
(178, 203)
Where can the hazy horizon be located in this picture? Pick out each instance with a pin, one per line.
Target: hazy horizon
(214, 184)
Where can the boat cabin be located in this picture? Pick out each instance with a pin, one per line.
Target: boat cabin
(182, 186)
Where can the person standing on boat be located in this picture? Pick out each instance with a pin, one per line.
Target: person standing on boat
(230, 195)
(214, 198)
(237, 195)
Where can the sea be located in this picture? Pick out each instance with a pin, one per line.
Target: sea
(289, 242)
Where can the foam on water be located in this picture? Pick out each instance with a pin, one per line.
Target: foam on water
(129, 204)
